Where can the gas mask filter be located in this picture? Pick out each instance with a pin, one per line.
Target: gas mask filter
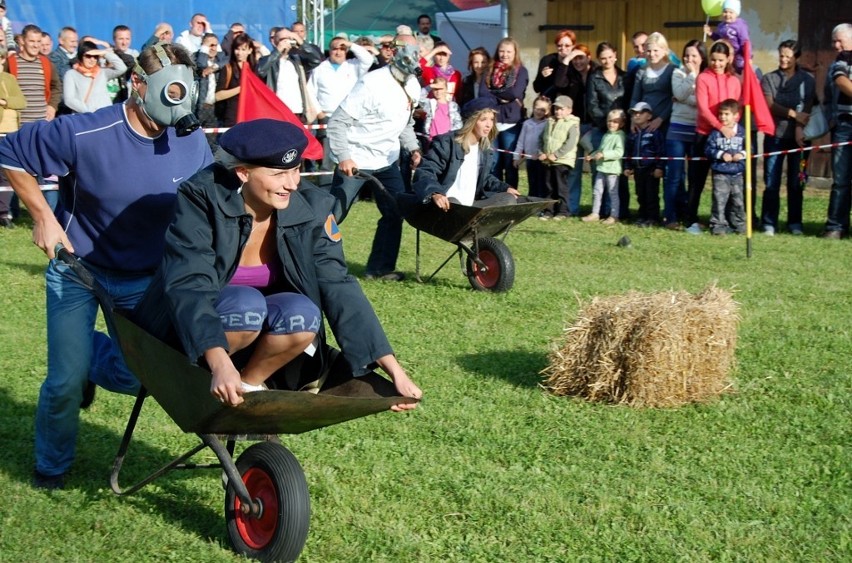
(170, 96)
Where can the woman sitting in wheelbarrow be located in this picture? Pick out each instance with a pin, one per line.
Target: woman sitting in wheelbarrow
(253, 258)
(457, 167)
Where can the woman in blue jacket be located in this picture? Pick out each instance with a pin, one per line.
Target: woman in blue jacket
(253, 260)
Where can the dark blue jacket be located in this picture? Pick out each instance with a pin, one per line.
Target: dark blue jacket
(718, 145)
(203, 249)
(647, 145)
(441, 164)
(510, 100)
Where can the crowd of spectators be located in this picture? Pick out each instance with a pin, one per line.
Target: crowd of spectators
(683, 90)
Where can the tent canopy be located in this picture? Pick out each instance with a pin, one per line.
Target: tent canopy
(377, 17)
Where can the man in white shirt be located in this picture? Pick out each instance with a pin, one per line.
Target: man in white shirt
(190, 39)
(365, 134)
(330, 83)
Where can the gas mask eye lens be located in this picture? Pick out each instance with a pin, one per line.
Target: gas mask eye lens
(176, 92)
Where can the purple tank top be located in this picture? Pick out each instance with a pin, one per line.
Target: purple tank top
(254, 276)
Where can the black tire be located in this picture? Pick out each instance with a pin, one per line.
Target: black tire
(499, 272)
(273, 475)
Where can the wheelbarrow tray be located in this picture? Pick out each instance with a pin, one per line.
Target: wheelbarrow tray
(183, 391)
(463, 223)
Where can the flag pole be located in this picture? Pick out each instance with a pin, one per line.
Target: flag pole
(748, 173)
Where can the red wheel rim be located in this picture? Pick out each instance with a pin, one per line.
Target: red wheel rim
(258, 532)
(490, 275)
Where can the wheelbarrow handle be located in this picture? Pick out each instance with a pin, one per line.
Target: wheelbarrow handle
(73, 262)
(85, 276)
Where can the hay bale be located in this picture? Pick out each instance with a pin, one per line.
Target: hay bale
(648, 350)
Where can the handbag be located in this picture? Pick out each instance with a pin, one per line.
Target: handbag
(11, 119)
(817, 124)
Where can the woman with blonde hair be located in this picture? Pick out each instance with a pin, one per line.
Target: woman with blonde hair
(456, 168)
(654, 82)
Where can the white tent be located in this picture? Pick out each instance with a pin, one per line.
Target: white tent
(479, 28)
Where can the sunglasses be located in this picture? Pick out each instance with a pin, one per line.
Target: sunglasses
(388, 45)
(90, 56)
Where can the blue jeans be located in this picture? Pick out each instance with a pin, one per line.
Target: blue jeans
(773, 166)
(386, 241)
(674, 183)
(77, 354)
(623, 211)
(698, 171)
(841, 165)
(575, 181)
(503, 168)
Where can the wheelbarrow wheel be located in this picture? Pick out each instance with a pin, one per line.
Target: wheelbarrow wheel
(499, 271)
(274, 478)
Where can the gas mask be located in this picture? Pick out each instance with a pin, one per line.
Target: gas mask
(170, 96)
(406, 60)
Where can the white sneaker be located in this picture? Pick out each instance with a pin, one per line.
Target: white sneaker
(249, 388)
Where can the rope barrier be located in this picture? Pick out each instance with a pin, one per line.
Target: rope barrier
(52, 187)
(759, 155)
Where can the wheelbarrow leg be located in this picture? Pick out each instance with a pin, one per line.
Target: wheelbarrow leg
(235, 480)
(125, 444)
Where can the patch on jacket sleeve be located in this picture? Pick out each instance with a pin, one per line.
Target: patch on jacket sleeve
(332, 231)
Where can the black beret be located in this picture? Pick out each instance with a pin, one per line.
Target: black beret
(266, 142)
(478, 104)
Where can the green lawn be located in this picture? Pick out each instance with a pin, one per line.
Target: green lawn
(490, 467)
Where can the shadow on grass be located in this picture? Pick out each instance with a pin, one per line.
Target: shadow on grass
(36, 270)
(519, 367)
(96, 448)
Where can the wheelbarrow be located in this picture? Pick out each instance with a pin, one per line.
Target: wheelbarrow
(267, 503)
(484, 258)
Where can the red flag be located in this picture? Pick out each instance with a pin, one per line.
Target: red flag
(753, 95)
(257, 102)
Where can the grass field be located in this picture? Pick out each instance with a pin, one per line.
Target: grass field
(490, 467)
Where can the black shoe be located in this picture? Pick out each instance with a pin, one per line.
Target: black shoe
(88, 395)
(48, 482)
(390, 276)
(6, 223)
(837, 235)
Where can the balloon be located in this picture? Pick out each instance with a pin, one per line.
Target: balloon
(712, 8)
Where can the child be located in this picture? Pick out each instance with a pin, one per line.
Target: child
(733, 29)
(558, 153)
(529, 143)
(608, 156)
(727, 161)
(644, 149)
(442, 113)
